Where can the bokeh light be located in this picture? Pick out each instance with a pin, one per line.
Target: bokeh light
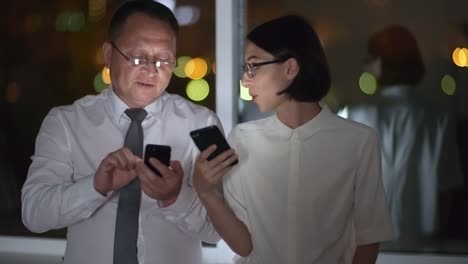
(460, 57)
(244, 92)
(448, 85)
(99, 58)
(179, 71)
(13, 92)
(196, 68)
(33, 23)
(368, 83)
(96, 10)
(187, 15)
(70, 21)
(197, 90)
(105, 75)
(76, 21)
(99, 84)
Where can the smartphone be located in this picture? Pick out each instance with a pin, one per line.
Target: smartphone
(160, 152)
(211, 135)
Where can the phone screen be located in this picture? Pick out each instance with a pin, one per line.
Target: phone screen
(160, 152)
(208, 136)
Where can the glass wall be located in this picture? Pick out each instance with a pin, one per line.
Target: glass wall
(429, 209)
(51, 55)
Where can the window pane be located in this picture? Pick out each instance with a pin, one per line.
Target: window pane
(429, 199)
(51, 55)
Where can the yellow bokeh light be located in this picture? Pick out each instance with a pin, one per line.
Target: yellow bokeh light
(196, 68)
(464, 56)
(460, 57)
(448, 85)
(368, 83)
(244, 92)
(99, 58)
(106, 75)
(13, 92)
(179, 71)
(197, 90)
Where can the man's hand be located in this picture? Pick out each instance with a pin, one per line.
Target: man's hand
(165, 188)
(115, 171)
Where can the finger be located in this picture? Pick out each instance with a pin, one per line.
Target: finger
(146, 176)
(177, 167)
(223, 165)
(207, 152)
(162, 168)
(130, 158)
(222, 157)
(121, 158)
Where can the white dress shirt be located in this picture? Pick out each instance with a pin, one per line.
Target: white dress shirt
(419, 156)
(59, 191)
(310, 194)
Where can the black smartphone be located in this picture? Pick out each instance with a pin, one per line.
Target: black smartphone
(211, 135)
(160, 152)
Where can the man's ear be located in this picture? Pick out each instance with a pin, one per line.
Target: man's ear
(292, 68)
(107, 52)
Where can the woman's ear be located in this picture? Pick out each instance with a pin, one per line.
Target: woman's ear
(292, 68)
(107, 52)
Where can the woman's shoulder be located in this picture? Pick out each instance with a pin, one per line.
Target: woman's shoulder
(252, 126)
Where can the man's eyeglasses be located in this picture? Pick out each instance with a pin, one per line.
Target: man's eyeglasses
(138, 61)
(250, 68)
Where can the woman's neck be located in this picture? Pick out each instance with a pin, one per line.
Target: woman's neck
(294, 114)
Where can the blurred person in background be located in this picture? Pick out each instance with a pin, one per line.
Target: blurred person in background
(420, 160)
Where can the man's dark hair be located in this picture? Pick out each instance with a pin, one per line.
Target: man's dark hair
(293, 37)
(400, 57)
(150, 8)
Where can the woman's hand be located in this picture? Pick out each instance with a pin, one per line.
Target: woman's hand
(208, 173)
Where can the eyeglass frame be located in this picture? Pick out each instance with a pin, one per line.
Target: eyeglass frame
(250, 68)
(138, 61)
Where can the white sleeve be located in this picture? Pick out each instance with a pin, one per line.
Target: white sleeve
(188, 212)
(50, 198)
(232, 183)
(371, 216)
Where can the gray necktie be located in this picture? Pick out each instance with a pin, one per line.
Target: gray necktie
(126, 225)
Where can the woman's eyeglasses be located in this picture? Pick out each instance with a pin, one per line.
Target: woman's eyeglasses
(250, 68)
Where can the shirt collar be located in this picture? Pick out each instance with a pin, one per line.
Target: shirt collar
(396, 91)
(319, 122)
(117, 106)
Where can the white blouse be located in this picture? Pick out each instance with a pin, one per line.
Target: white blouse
(310, 194)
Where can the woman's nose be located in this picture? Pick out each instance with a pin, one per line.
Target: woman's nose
(246, 81)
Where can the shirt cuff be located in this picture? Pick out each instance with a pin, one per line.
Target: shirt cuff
(84, 195)
(181, 206)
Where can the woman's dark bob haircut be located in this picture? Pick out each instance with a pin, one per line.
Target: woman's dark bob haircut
(150, 8)
(292, 37)
(399, 55)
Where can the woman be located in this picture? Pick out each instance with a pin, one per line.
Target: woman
(307, 188)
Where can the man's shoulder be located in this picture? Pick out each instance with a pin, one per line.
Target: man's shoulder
(183, 106)
(87, 103)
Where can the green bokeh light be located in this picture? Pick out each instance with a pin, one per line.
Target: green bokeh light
(99, 84)
(179, 71)
(368, 83)
(198, 90)
(76, 21)
(448, 85)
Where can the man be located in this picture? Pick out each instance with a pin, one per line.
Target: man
(80, 167)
